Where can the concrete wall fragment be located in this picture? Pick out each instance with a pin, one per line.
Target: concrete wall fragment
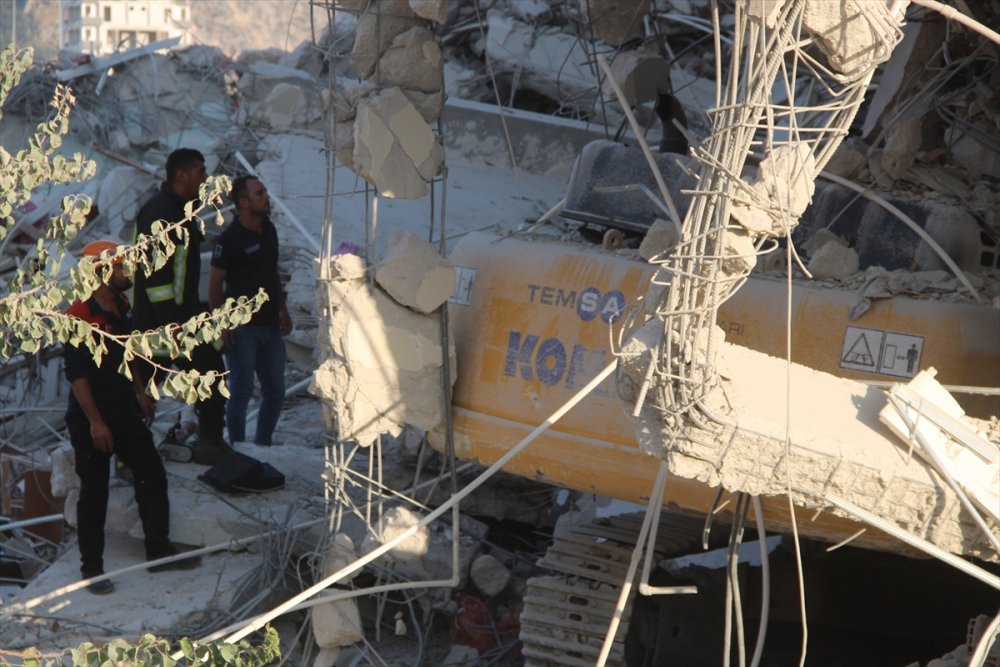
(414, 274)
(381, 22)
(394, 148)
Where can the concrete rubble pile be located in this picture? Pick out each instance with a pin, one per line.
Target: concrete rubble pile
(382, 354)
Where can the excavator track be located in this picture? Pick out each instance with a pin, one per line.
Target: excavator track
(567, 613)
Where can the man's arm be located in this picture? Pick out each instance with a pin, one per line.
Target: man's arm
(216, 279)
(99, 431)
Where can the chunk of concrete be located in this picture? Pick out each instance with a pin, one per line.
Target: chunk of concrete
(900, 152)
(848, 161)
(339, 554)
(383, 366)
(337, 623)
(661, 237)
(426, 555)
(460, 654)
(489, 575)
(394, 147)
(819, 239)
(847, 33)
(414, 274)
(833, 260)
(433, 10)
(615, 21)
(642, 75)
(381, 22)
(284, 107)
(413, 61)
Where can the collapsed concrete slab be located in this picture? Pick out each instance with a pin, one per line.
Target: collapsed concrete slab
(414, 274)
(394, 147)
(382, 362)
(838, 448)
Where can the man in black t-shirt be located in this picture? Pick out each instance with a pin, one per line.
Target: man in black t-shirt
(245, 260)
(110, 414)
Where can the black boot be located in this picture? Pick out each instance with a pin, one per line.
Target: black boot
(212, 446)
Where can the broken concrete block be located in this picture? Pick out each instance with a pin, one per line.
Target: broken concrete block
(430, 105)
(414, 61)
(489, 575)
(384, 364)
(414, 274)
(819, 239)
(833, 260)
(661, 237)
(615, 21)
(381, 22)
(426, 555)
(337, 623)
(347, 267)
(901, 148)
(764, 12)
(339, 554)
(847, 161)
(284, 107)
(394, 148)
(635, 357)
(433, 10)
(642, 75)
(739, 254)
(849, 34)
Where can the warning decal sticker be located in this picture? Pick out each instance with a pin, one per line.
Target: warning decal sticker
(882, 352)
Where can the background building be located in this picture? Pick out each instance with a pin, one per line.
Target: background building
(106, 26)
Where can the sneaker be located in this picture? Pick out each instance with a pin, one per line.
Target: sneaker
(103, 587)
(188, 563)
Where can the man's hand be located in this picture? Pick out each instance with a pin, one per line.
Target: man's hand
(101, 435)
(148, 407)
(286, 322)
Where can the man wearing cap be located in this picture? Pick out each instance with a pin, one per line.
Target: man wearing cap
(170, 294)
(110, 414)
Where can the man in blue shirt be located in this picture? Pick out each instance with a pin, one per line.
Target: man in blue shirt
(245, 260)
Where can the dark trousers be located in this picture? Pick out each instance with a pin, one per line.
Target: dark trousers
(134, 448)
(212, 410)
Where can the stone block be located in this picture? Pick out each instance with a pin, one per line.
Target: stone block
(337, 623)
(381, 22)
(833, 260)
(433, 10)
(413, 61)
(489, 575)
(414, 274)
(661, 237)
(394, 147)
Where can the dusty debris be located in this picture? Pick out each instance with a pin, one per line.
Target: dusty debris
(489, 575)
(833, 260)
(642, 75)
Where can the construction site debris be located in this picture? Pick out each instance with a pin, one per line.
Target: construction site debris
(383, 366)
(849, 33)
(380, 23)
(414, 274)
(433, 10)
(489, 575)
(336, 624)
(661, 237)
(412, 61)
(901, 147)
(394, 147)
(833, 260)
(615, 21)
(642, 74)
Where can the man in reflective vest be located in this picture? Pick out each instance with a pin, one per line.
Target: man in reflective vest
(170, 294)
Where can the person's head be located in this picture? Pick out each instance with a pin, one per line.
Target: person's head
(101, 252)
(186, 172)
(250, 197)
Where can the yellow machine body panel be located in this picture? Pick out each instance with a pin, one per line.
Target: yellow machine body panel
(533, 322)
